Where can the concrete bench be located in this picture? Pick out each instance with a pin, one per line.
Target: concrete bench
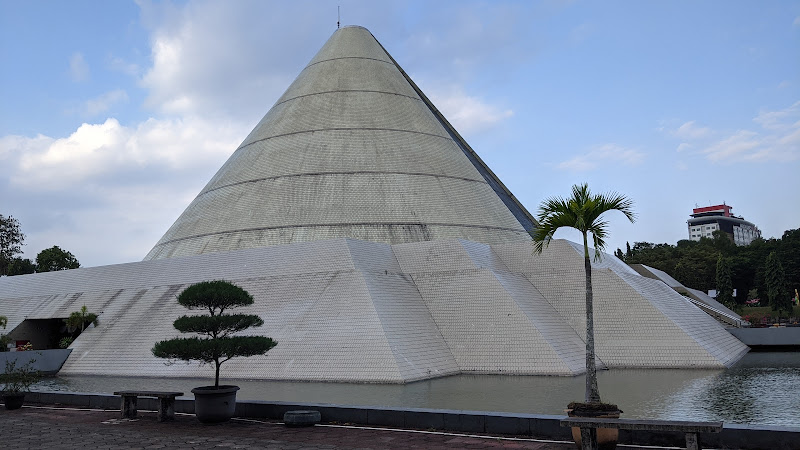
(166, 403)
(589, 426)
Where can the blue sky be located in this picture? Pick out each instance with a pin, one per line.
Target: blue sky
(113, 115)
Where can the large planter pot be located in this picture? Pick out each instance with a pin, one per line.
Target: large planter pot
(214, 404)
(606, 437)
(13, 401)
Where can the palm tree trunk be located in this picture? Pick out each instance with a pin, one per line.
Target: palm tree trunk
(592, 392)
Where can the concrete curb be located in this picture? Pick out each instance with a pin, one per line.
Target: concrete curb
(536, 425)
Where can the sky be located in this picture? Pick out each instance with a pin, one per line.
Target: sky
(113, 115)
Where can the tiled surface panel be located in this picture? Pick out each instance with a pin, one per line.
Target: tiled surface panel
(416, 342)
(312, 257)
(338, 75)
(344, 151)
(558, 335)
(486, 330)
(721, 345)
(638, 323)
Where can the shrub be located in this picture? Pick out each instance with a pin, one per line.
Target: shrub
(17, 379)
(65, 342)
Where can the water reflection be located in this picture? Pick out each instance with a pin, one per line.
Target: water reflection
(763, 388)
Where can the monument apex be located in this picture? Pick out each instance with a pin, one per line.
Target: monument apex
(352, 149)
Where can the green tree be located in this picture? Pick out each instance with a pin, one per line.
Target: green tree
(789, 254)
(723, 242)
(724, 283)
(79, 319)
(3, 338)
(582, 211)
(11, 239)
(54, 258)
(20, 266)
(217, 344)
(778, 295)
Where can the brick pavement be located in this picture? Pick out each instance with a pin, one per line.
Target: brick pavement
(44, 427)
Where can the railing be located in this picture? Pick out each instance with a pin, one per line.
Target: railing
(717, 314)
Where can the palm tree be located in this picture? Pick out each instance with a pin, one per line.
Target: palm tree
(582, 212)
(79, 319)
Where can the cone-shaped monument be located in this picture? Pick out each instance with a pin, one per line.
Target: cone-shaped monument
(352, 149)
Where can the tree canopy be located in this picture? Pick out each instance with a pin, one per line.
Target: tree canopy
(11, 239)
(80, 318)
(54, 258)
(693, 263)
(21, 266)
(775, 279)
(724, 283)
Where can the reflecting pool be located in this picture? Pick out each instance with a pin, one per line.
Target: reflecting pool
(762, 388)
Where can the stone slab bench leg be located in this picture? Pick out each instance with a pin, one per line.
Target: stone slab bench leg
(166, 409)
(589, 438)
(691, 441)
(129, 406)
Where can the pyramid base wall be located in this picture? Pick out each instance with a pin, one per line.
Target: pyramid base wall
(355, 311)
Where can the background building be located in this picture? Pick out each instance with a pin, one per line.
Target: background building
(708, 219)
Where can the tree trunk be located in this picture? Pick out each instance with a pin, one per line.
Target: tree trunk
(216, 376)
(592, 392)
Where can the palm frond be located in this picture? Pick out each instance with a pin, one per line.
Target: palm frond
(582, 211)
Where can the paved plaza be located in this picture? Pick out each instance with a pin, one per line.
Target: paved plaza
(67, 428)
(46, 427)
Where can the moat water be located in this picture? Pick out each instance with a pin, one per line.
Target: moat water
(761, 389)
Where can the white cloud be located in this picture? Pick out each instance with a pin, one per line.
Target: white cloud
(602, 155)
(777, 138)
(123, 186)
(690, 130)
(778, 120)
(208, 56)
(102, 103)
(466, 113)
(738, 146)
(78, 68)
(108, 150)
(120, 65)
(11, 147)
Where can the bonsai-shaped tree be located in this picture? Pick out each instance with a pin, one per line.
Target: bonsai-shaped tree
(79, 319)
(582, 212)
(217, 344)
